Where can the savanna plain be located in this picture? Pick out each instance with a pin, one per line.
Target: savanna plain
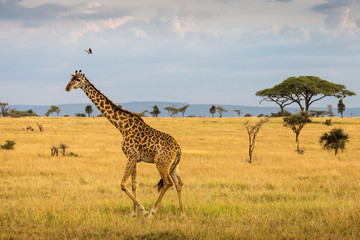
(281, 195)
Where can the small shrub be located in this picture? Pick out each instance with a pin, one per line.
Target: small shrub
(328, 122)
(30, 128)
(248, 115)
(279, 114)
(71, 154)
(63, 146)
(40, 127)
(8, 145)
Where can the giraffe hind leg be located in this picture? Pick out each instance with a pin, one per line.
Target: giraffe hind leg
(134, 186)
(160, 184)
(167, 183)
(163, 163)
(178, 184)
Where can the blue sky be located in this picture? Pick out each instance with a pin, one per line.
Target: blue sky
(195, 51)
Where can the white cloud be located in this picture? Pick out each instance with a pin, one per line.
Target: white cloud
(182, 25)
(188, 43)
(338, 15)
(116, 22)
(139, 32)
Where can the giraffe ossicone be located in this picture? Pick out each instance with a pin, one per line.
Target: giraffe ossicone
(140, 143)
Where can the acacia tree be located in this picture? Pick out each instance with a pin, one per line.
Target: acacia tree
(53, 109)
(143, 114)
(156, 111)
(334, 140)
(183, 109)
(330, 111)
(341, 107)
(89, 110)
(220, 110)
(172, 111)
(296, 123)
(212, 110)
(4, 109)
(276, 95)
(303, 90)
(238, 111)
(253, 130)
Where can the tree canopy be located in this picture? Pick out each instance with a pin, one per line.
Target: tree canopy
(276, 95)
(238, 111)
(183, 109)
(172, 111)
(53, 109)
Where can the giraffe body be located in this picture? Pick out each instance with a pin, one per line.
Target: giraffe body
(141, 143)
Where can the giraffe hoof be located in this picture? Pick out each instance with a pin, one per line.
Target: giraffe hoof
(152, 213)
(145, 213)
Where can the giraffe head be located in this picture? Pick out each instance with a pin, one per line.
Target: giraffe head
(77, 80)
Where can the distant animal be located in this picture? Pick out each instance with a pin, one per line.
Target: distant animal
(89, 51)
(141, 143)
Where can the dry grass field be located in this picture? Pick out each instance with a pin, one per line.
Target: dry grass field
(282, 195)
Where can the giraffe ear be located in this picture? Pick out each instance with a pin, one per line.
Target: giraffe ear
(71, 75)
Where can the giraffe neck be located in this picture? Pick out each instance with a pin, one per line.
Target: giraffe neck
(116, 115)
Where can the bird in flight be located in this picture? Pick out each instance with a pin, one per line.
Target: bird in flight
(89, 51)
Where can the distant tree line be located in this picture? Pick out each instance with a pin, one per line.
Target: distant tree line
(302, 90)
(6, 111)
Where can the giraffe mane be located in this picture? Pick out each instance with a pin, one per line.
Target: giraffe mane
(116, 107)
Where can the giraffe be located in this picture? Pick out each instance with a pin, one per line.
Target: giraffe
(141, 143)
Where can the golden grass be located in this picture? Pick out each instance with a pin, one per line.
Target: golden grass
(282, 195)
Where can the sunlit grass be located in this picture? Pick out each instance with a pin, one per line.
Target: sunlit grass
(281, 195)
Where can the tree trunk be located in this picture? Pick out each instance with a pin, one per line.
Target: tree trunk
(250, 150)
(297, 143)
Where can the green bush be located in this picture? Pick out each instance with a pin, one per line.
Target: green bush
(8, 145)
(334, 140)
(328, 122)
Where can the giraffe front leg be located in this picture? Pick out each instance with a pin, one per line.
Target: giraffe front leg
(128, 170)
(134, 186)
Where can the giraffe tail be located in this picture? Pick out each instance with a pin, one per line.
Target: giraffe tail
(160, 184)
